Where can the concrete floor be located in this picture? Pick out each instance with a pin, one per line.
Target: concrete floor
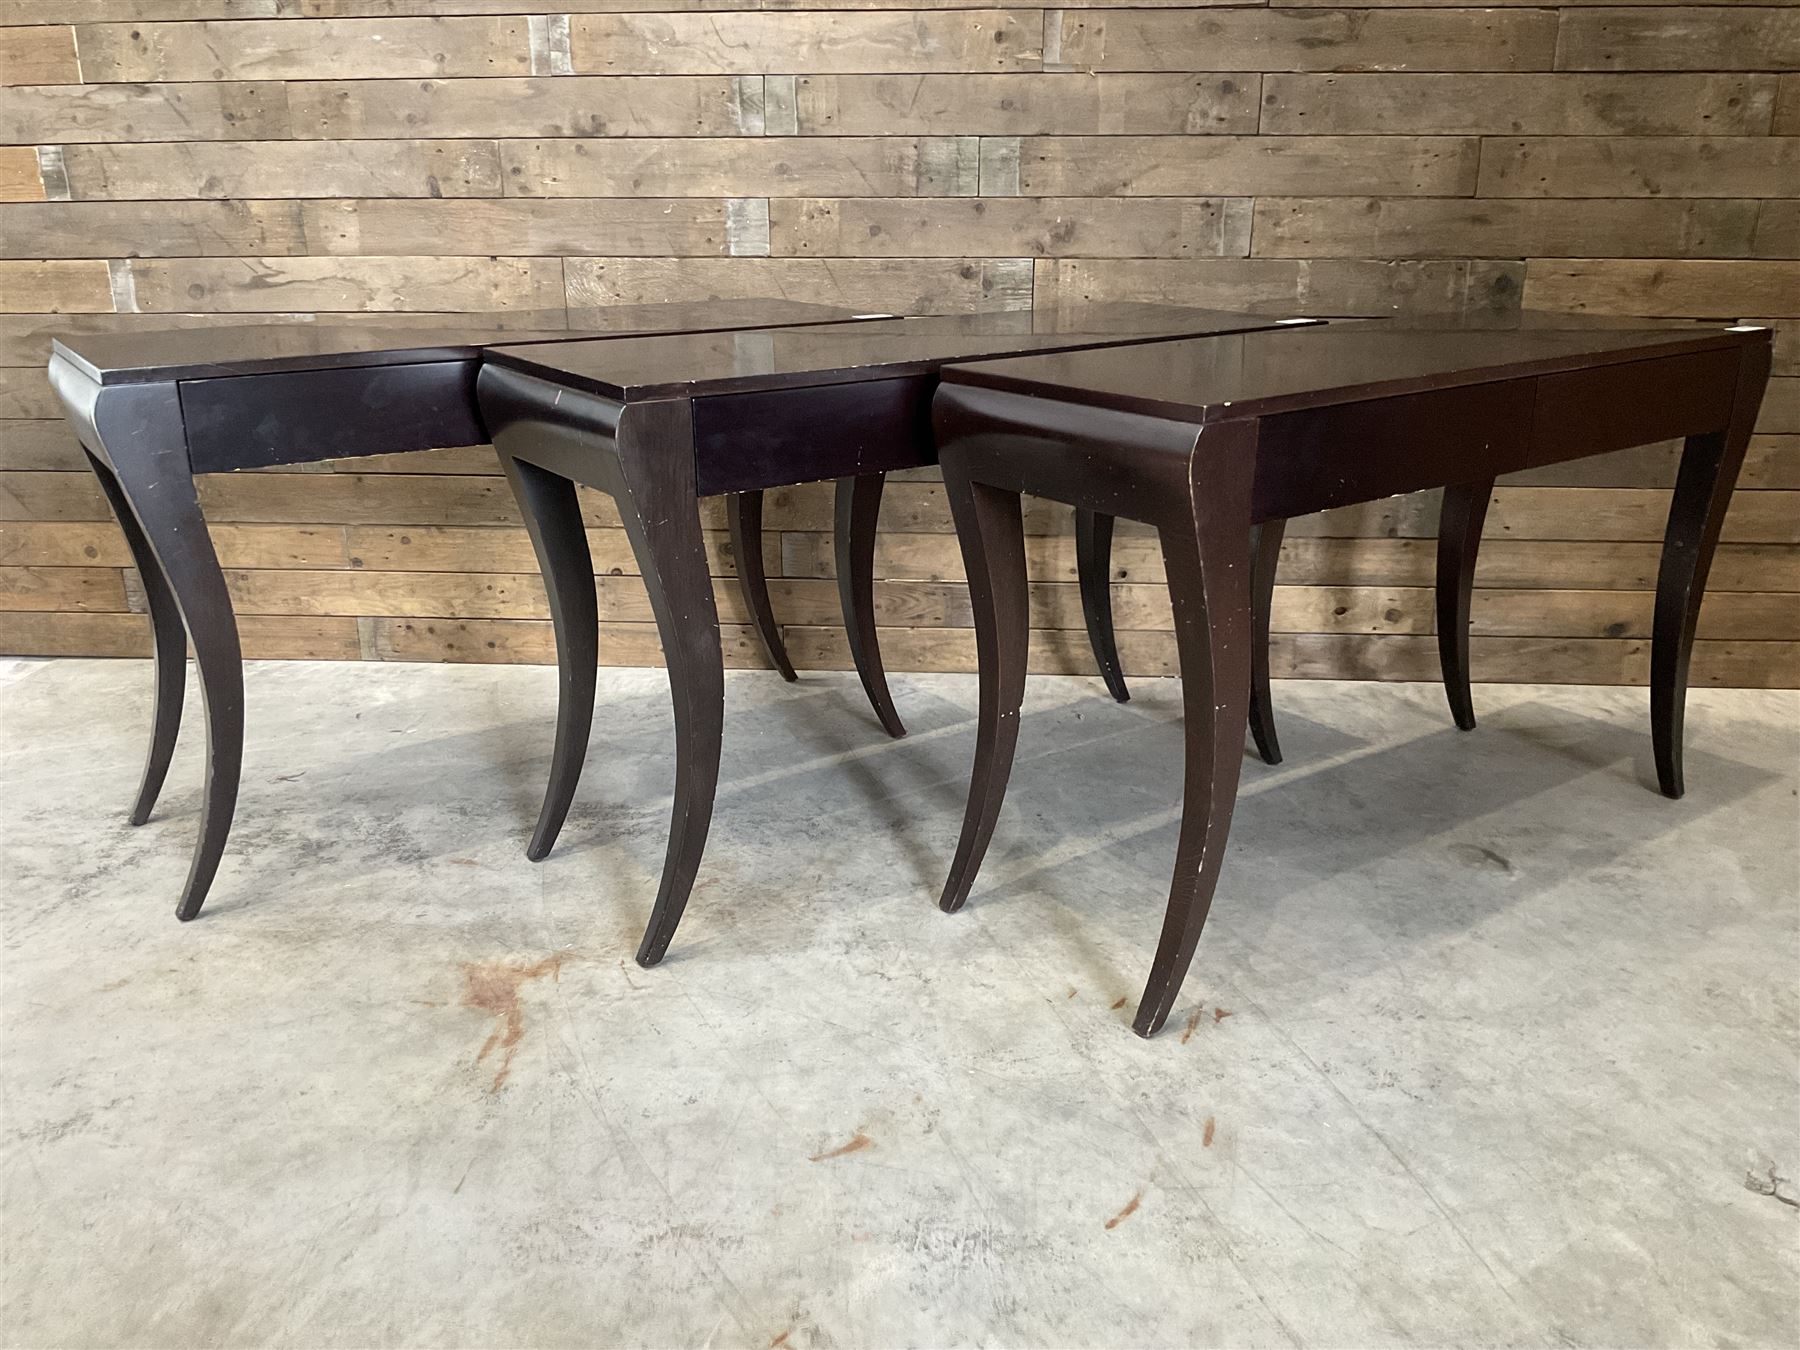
(1486, 1044)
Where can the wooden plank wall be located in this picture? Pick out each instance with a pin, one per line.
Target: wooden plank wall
(174, 162)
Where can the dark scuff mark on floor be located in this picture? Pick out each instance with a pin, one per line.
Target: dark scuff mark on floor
(858, 1142)
(493, 987)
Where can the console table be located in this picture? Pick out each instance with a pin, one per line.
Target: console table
(1203, 439)
(658, 423)
(154, 409)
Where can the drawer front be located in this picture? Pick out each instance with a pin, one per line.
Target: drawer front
(1589, 412)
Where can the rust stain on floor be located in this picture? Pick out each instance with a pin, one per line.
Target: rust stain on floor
(1124, 1214)
(1118, 1003)
(1192, 1022)
(781, 1339)
(493, 987)
(858, 1142)
(1207, 1134)
(1220, 1014)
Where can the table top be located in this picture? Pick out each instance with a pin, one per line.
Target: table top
(264, 349)
(1255, 374)
(690, 366)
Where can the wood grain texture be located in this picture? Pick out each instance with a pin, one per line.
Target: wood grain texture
(182, 163)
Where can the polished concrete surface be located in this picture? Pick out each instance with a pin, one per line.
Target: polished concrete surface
(1486, 1043)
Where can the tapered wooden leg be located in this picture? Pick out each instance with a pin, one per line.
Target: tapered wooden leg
(170, 649)
(137, 432)
(661, 513)
(552, 515)
(1093, 570)
(858, 510)
(990, 529)
(1460, 518)
(744, 511)
(1209, 571)
(1703, 486)
(1265, 556)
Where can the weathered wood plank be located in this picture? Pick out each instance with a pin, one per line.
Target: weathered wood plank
(1688, 286)
(1373, 227)
(1300, 40)
(150, 229)
(1781, 408)
(1027, 105)
(248, 285)
(888, 166)
(531, 642)
(1649, 166)
(1146, 227)
(1241, 166)
(54, 286)
(713, 105)
(1519, 564)
(903, 285)
(98, 543)
(26, 394)
(304, 49)
(1669, 38)
(1290, 287)
(448, 548)
(1787, 107)
(752, 44)
(42, 444)
(1778, 230)
(609, 227)
(219, 111)
(264, 639)
(1332, 656)
(38, 56)
(61, 589)
(1518, 105)
(19, 177)
(281, 169)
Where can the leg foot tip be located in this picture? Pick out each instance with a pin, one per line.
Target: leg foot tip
(536, 852)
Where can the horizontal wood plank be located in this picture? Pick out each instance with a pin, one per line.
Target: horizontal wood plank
(1689, 286)
(889, 166)
(150, 229)
(1518, 105)
(282, 169)
(347, 284)
(223, 110)
(1718, 37)
(304, 49)
(1374, 227)
(1066, 104)
(1650, 166)
(1301, 40)
(1035, 227)
(43, 55)
(753, 44)
(1231, 166)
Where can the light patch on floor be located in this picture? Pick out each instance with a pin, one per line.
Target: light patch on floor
(1485, 1043)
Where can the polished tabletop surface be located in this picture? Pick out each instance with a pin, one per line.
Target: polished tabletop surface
(262, 349)
(692, 366)
(1254, 374)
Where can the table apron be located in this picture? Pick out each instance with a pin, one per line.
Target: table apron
(743, 442)
(255, 421)
(1320, 458)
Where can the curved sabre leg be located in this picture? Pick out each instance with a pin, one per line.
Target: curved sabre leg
(744, 513)
(858, 510)
(1460, 519)
(661, 513)
(1265, 556)
(1703, 485)
(169, 637)
(1093, 571)
(552, 513)
(1208, 565)
(136, 430)
(989, 527)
